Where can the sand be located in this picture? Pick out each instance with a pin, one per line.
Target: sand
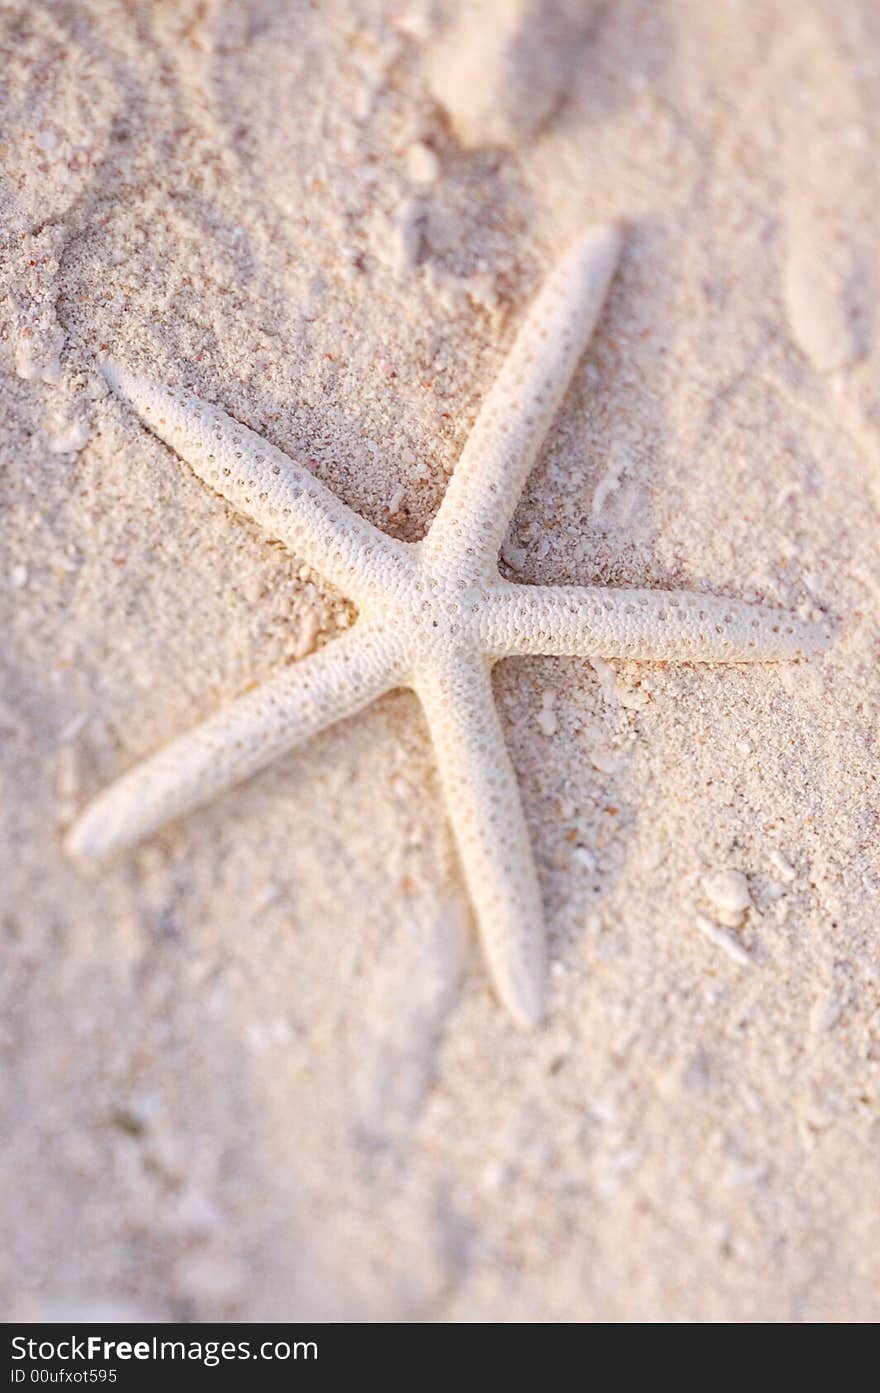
(254, 1069)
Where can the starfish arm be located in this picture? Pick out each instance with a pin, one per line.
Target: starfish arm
(503, 445)
(244, 737)
(652, 625)
(268, 486)
(493, 843)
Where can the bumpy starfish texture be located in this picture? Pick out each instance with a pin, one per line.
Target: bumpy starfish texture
(434, 615)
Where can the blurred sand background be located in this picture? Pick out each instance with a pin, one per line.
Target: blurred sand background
(254, 1070)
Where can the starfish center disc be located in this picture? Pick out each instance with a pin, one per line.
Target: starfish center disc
(438, 612)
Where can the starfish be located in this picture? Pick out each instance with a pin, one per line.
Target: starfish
(433, 615)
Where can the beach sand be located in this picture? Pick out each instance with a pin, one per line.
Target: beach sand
(254, 1069)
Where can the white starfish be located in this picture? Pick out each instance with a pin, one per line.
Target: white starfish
(434, 615)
